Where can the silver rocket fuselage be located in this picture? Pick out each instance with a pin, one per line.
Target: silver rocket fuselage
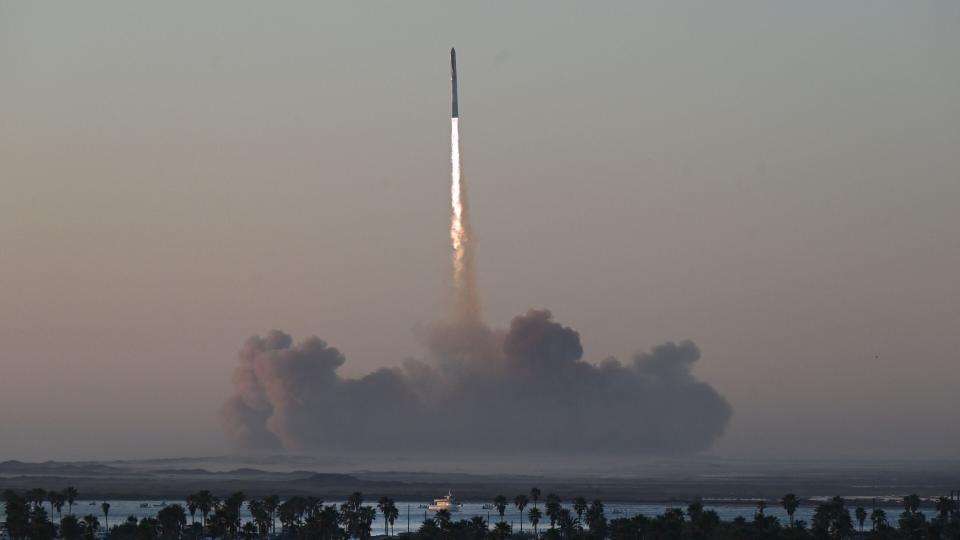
(453, 82)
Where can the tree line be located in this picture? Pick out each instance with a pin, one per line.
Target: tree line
(308, 518)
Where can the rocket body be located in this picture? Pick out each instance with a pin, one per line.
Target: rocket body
(453, 82)
(468, 303)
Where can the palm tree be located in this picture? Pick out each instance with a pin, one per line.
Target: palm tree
(70, 495)
(70, 528)
(234, 504)
(580, 506)
(105, 506)
(566, 522)
(392, 513)
(442, 518)
(365, 521)
(312, 506)
(192, 507)
(205, 502)
(520, 501)
(270, 504)
(861, 514)
(287, 513)
(761, 506)
(260, 515)
(172, 520)
(790, 503)
(534, 516)
(354, 501)
(56, 502)
(944, 506)
(389, 511)
(535, 495)
(879, 518)
(911, 503)
(500, 503)
(90, 526)
(501, 530)
(478, 527)
(596, 520)
(148, 529)
(36, 497)
(552, 508)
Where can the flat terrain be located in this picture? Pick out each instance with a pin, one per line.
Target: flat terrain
(628, 481)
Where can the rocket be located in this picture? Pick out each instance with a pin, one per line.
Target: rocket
(453, 81)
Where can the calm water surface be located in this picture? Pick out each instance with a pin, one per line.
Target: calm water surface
(120, 510)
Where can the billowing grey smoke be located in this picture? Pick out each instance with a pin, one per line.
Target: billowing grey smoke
(524, 389)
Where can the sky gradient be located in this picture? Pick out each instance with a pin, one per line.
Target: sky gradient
(778, 182)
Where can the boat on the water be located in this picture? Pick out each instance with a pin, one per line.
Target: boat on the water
(447, 502)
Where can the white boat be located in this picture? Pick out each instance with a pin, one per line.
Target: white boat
(447, 502)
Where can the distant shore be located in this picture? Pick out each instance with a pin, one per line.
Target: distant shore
(717, 484)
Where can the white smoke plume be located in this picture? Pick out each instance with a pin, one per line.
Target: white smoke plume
(526, 388)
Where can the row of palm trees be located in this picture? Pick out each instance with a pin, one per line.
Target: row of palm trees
(58, 499)
(298, 512)
(945, 506)
(308, 517)
(26, 516)
(564, 523)
(554, 510)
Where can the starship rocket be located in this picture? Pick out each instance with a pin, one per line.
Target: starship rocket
(453, 81)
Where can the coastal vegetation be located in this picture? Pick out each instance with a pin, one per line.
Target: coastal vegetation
(204, 515)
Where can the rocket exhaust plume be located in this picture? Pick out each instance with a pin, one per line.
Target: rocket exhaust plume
(525, 388)
(468, 303)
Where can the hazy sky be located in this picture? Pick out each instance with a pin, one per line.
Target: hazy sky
(777, 181)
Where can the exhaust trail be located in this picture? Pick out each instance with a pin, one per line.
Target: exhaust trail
(468, 300)
(284, 391)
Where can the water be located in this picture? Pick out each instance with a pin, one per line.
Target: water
(120, 510)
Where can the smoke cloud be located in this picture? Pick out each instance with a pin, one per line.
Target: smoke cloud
(526, 388)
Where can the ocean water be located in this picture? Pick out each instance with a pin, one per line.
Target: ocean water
(412, 513)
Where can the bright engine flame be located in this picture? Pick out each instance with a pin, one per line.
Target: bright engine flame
(457, 233)
(467, 298)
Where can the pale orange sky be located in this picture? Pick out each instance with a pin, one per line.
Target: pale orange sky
(777, 182)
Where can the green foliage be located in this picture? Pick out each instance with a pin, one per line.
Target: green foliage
(306, 518)
(173, 519)
(356, 518)
(71, 529)
(17, 510)
(597, 520)
(551, 508)
(534, 515)
(389, 511)
(521, 502)
(790, 504)
(500, 503)
(831, 520)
